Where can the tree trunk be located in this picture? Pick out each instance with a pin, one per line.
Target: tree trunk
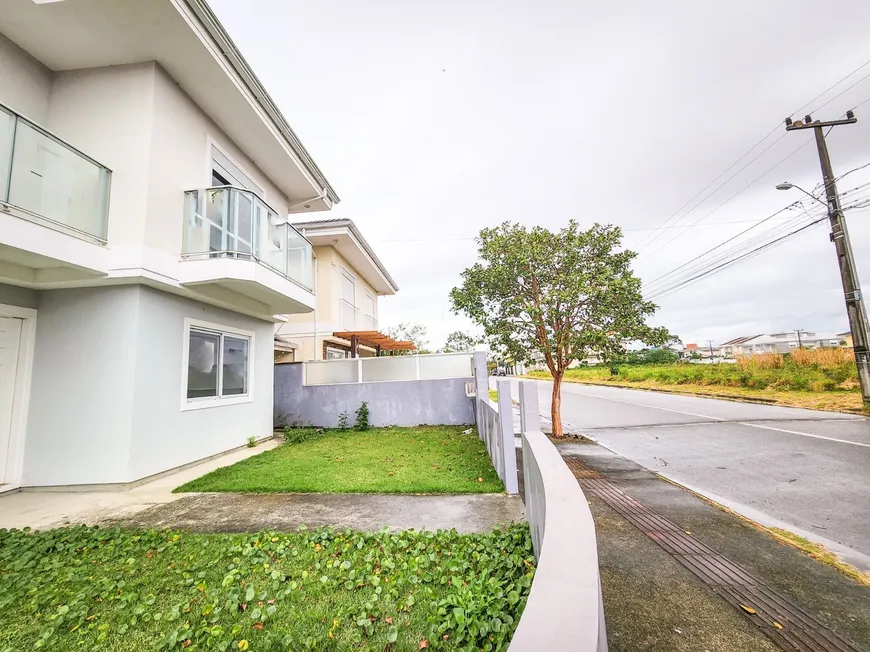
(556, 408)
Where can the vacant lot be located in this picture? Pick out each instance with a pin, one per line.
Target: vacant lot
(426, 459)
(823, 379)
(109, 589)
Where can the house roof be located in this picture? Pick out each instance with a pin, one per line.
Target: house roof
(739, 340)
(191, 45)
(325, 232)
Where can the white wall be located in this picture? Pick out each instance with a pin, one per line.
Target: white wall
(164, 436)
(107, 113)
(78, 429)
(106, 391)
(25, 84)
(12, 295)
(180, 160)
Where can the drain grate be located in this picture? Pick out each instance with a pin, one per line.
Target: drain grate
(787, 625)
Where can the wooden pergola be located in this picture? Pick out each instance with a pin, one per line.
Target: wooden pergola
(376, 340)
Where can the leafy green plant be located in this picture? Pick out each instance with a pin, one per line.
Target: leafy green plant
(298, 435)
(342, 420)
(85, 588)
(362, 417)
(252, 442)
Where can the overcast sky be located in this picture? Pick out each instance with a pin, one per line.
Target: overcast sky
(433, 120)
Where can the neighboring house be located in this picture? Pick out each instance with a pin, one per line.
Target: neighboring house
(143, 252)
(845, 339)
(349, 279)
(779, 343)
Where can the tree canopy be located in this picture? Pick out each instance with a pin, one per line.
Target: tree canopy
(409, 332)
(459, 342)
(569, 294)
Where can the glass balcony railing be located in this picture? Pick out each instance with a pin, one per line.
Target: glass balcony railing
(48, 179)
(232, 222)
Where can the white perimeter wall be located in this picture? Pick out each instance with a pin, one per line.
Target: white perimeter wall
(164, 436)
(106, 391)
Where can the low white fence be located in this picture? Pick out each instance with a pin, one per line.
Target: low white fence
(390, 368)
(495, 424)
(564, 610)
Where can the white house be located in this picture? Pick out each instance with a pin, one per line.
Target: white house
(146, 179)
(779, 343)
(349, 280)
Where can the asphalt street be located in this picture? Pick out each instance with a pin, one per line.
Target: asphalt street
(803, 470)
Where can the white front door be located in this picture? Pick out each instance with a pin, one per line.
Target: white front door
(10, 339)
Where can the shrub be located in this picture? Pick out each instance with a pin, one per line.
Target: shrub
(342, 421)
(760, 361)
(252, 442)
(362, 417)
(827, 357)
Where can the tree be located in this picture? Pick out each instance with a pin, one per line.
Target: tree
(409, 332)
(459, 342)
(568, 294)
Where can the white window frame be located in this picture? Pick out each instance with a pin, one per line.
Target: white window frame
(238, 176)
(215, 401)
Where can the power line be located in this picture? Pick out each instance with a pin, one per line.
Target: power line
(645, 243)
(733, 261)
(709, 213)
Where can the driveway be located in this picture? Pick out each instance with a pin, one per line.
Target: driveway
(803, 470)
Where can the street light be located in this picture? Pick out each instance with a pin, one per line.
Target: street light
(785, 185)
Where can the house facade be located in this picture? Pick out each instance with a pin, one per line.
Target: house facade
(779, 343)
(349, 280)
(146, 179)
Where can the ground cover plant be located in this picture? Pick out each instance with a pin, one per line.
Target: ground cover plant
(820, 378)
(425, 459)
(83, 588)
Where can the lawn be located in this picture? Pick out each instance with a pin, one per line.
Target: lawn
(426, 459)
(85, 588)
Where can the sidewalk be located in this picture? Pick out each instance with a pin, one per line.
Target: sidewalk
(654, 602)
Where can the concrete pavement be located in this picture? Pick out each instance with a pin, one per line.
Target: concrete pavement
(802, 470)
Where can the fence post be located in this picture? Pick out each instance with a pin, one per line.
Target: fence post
(359, 377)
(506, 435)
(481, 388)
(530, 415)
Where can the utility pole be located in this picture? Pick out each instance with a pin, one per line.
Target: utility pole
(798, 331)
(710, 344)
(855, 308)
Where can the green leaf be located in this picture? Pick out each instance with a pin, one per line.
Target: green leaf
(249, 594)
(392, 634)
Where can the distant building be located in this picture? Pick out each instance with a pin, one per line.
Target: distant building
(779, 343)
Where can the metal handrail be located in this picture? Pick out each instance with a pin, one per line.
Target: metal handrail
(55, 137)
(267, 204)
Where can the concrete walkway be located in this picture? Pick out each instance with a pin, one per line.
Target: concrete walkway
(47, 509)
(154, 505)
(363, 512)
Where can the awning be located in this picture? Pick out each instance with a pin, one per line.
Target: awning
(283, 344)
(375, 340)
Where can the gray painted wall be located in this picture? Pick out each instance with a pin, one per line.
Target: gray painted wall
(106, 394)
(400, 403)
(12, 295)
(164, 436)
(78, 424)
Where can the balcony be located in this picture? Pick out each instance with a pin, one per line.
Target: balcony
(54, 204)
(235, 240)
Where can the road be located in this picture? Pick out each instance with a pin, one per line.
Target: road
(803, 470)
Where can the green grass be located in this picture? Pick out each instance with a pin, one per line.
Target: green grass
(85, 588)
(787, 378)
(833, 387)
(426, 459)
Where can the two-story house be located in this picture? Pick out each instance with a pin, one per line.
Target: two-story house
(146, 179)
(349, 278)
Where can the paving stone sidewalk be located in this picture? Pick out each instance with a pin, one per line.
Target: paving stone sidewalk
(653, 603)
